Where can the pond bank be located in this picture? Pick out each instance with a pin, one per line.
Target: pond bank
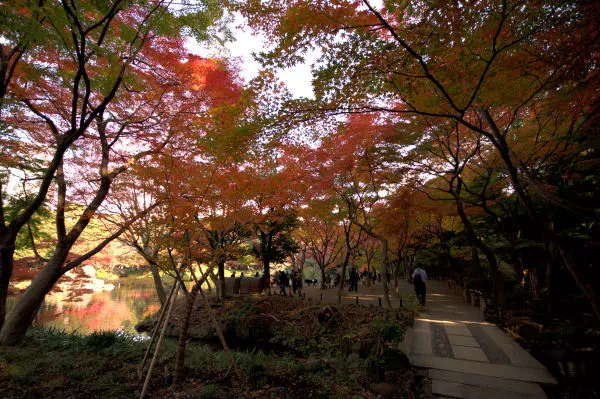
(50, 363)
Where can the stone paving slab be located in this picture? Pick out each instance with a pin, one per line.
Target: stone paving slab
(467, 353)
(422, 344)
(462, 391)
(446, 388)
(475, 392)
(517, 355)
(421, 338)
(492, 350)
(511, 386)
(421, 326)
(439, 341)
(457, 329)
(463, 341)
(487, 369)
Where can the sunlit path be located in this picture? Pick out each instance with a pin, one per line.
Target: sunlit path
(468, 357)
(365, 295)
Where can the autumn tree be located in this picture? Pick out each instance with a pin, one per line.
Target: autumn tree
(523, 69)
(66, 94)
(399, 222)
(147, 235)
(225, 222)
(448, 153)
(323, 233)
(354, 167)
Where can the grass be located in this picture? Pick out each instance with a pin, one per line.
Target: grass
(51, 362)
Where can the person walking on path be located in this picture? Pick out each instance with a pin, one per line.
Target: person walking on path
(281, 279)
(353, 280)
(295, 280)
(419, 277)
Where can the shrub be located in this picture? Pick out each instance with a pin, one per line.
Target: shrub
(101, 339)
(211, 391)
(387, 330)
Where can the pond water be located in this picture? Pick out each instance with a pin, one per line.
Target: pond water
(119, 308)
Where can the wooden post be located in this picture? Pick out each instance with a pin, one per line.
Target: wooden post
(213, 319)
(160, 338)
(219, 333)
(379, 301)
(156, 328)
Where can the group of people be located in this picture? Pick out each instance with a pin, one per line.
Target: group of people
(284, 279)
(372, 277)
(418, 278)
(354, 277)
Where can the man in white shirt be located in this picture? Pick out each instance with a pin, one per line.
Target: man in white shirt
(419, 277)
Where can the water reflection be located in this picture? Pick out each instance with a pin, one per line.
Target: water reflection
(119, 309)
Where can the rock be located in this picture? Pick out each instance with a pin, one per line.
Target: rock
(329, 316)
(396, 360)
(145, 326)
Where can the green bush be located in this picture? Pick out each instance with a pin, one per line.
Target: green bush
(211, 391)
(517, 298)
(387, 330)
(101, 339)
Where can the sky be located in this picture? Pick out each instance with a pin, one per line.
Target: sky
(297, 79)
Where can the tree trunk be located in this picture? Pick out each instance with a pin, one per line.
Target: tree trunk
(368, 272)
(386, 265)
(322, 268)
(549, 235)
(151, 257)
(266, 244)
(160, 291)
(386, 258)
(517, 264)
(209, 286)
(549, 290)
(7, 250)
(475, 261)
(344, 266)
(497, 278)
(221, 271)
(581, 282)
(16, 325)
(184, 326)
(267, 274)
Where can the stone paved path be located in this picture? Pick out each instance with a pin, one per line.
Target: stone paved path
(468, 357)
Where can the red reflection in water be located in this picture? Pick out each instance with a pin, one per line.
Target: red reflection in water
(119, 309)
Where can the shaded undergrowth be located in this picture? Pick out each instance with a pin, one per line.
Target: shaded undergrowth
(346, 353)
